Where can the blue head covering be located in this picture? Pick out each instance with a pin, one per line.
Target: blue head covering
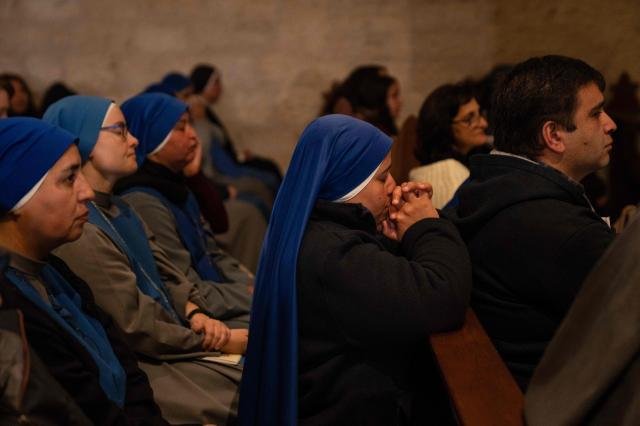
(28, 149)
(334, 155)
(151, 116)
(175, 82)
(82, 116)
(158, 88)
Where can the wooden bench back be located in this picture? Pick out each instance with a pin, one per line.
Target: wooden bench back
(480, 386)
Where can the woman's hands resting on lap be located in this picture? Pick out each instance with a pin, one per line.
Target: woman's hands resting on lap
(410, 203)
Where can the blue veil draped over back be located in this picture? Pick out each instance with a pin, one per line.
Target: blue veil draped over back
(333, 156)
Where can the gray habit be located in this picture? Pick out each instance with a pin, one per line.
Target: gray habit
(187, 390)
(235, 293)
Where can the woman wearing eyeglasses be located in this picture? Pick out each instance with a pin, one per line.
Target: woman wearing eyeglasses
(451, 126)
(167, 319)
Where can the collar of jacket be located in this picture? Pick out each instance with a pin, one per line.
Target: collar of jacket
(171, 185)
(352, 216)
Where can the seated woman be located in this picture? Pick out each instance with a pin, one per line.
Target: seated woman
(340, 311)
(160, 196)
(207, 83)
(450, 128)
(43, 205)
(163, 314)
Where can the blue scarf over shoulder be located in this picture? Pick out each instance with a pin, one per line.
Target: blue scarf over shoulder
(334, 155)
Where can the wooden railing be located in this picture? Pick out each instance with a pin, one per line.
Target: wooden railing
(480, 386)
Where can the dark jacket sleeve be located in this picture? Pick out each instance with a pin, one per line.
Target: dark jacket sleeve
(377, 296)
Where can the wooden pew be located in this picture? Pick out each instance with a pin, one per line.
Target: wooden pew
(481, 388)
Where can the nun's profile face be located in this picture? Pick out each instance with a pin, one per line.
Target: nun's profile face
(376, 195)
(181, 147)
(114, 155)
(57, 211)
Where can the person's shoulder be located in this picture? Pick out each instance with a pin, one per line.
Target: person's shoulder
(559, 217)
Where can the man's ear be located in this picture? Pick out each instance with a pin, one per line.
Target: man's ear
(553, 137)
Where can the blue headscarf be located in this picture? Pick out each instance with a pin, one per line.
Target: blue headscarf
(151, 116)
(334, 155)
(28, 149)
(176, 82)
(82, 116)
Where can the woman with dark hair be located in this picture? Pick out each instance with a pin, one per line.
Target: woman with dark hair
(450, 127)
(368, 93)
(22, 103)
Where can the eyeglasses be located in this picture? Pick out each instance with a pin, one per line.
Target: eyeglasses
(471, 119)
(119, 129)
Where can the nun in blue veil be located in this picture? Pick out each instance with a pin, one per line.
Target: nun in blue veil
(42, 206)
(354, 273)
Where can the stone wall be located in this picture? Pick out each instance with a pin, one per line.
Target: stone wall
(278, 56)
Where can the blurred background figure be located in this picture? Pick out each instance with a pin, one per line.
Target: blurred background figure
(368, 93)
(54, 93)
(451, 127)
(6, 91)
(207, 83)
(22, 103)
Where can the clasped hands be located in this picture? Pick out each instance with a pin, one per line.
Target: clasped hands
(216, 336)
(410, 203)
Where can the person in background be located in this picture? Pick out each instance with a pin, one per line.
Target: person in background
(54, 93)
(351, 282)
(22, 102)
(207, 83)
(450, 128)
(368, 93)
(6, 91)
(42, 206)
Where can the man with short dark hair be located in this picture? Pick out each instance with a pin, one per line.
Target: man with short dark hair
(531, 231)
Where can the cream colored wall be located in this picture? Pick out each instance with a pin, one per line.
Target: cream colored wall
(278, 56)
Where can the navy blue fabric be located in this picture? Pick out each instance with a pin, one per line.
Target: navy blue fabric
(126, 232)
(28, 149)
(66, 310)
(150, 117)
(190, 231)
(175, 82)
(227, 166)
(333, 156)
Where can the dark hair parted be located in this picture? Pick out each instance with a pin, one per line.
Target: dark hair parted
(538, 90)
(435, 136)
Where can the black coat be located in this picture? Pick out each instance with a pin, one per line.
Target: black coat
(365, 310)
(533, 237)
(74, 368)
